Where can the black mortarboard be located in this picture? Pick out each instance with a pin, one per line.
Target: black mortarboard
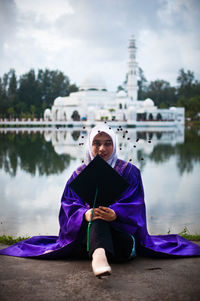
(99, 174)
(98, 185)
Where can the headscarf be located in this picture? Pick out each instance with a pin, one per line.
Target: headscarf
(96, 130)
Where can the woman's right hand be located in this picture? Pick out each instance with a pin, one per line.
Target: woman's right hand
(89, 213)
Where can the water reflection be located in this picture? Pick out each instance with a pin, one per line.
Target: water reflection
(29, 151)
(35, 165)
(49, 151)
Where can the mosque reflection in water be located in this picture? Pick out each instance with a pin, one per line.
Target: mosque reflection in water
(50, 150)
(71, 141)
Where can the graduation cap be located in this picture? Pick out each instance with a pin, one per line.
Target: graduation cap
(99, 176)
(98, 185)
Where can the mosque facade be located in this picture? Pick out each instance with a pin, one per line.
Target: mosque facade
(93, 103)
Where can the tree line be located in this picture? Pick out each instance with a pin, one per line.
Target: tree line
(185, 94)
(31, 93)
(31, 153)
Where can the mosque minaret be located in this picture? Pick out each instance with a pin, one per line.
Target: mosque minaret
(132, 86)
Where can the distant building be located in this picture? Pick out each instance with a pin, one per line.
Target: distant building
(93, 102)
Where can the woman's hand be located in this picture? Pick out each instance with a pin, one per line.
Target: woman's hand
(105, 213)
(89, 213)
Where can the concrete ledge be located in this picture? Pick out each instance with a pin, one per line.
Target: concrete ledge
(62, 280)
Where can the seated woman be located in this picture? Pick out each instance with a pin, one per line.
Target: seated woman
(117, 232)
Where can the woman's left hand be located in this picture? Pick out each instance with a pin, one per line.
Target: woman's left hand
(105, 213)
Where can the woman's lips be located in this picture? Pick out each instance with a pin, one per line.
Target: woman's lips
(102, 155)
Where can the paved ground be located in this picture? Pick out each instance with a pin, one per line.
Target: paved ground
(141, 279)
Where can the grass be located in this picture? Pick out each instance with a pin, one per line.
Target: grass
(10, 240)
(185, 234)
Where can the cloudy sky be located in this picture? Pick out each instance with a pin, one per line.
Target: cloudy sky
(80, 37)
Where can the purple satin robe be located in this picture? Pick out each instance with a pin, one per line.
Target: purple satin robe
(131, 217)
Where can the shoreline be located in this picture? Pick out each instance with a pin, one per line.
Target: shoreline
(91, 123)
(10, 240)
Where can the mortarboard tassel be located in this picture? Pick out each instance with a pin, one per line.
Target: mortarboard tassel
(88, 229)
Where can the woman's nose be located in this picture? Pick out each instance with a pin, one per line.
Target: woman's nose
(101, 148)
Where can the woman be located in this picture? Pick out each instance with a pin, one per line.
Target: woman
(116, 231)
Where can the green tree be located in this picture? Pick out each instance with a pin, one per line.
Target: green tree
(33, 110)
(12, 91)
(142, 84)
(185, 82)
(73, 88)
(194, 106)
(188, 93)
(3, 103)
(53, 84)
(29, 93)
(11, 112)
(161, 92)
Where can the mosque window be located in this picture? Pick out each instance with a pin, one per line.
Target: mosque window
(65, 116)
(75, 116)
(159, 116)
(150, 116)
(76, 135)
(120, 106)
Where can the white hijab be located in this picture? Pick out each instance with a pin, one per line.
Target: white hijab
(96, 130)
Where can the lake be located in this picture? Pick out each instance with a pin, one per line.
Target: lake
(36, 163)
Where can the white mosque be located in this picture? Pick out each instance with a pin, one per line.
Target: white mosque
(94, 103)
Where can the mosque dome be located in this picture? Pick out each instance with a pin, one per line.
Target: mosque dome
(148, 103)
(121, 94)
(60, 101)
(93, 82)
(47, 112)
(172, 108)
(57, 101)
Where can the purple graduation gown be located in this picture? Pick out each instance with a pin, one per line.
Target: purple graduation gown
(131, 218)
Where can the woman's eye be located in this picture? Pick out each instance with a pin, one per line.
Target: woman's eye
(106, 144)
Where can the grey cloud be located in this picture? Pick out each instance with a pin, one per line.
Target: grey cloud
(107, 23)
(102, 29)
(8, 22)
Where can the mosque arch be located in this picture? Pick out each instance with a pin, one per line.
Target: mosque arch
(75, 116)
(142, 116)
(57, 115)
(65, 136)
(159, 116)
(150, 116)
(64, 116)
(75, 135)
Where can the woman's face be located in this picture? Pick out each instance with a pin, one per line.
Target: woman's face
(102, 145)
